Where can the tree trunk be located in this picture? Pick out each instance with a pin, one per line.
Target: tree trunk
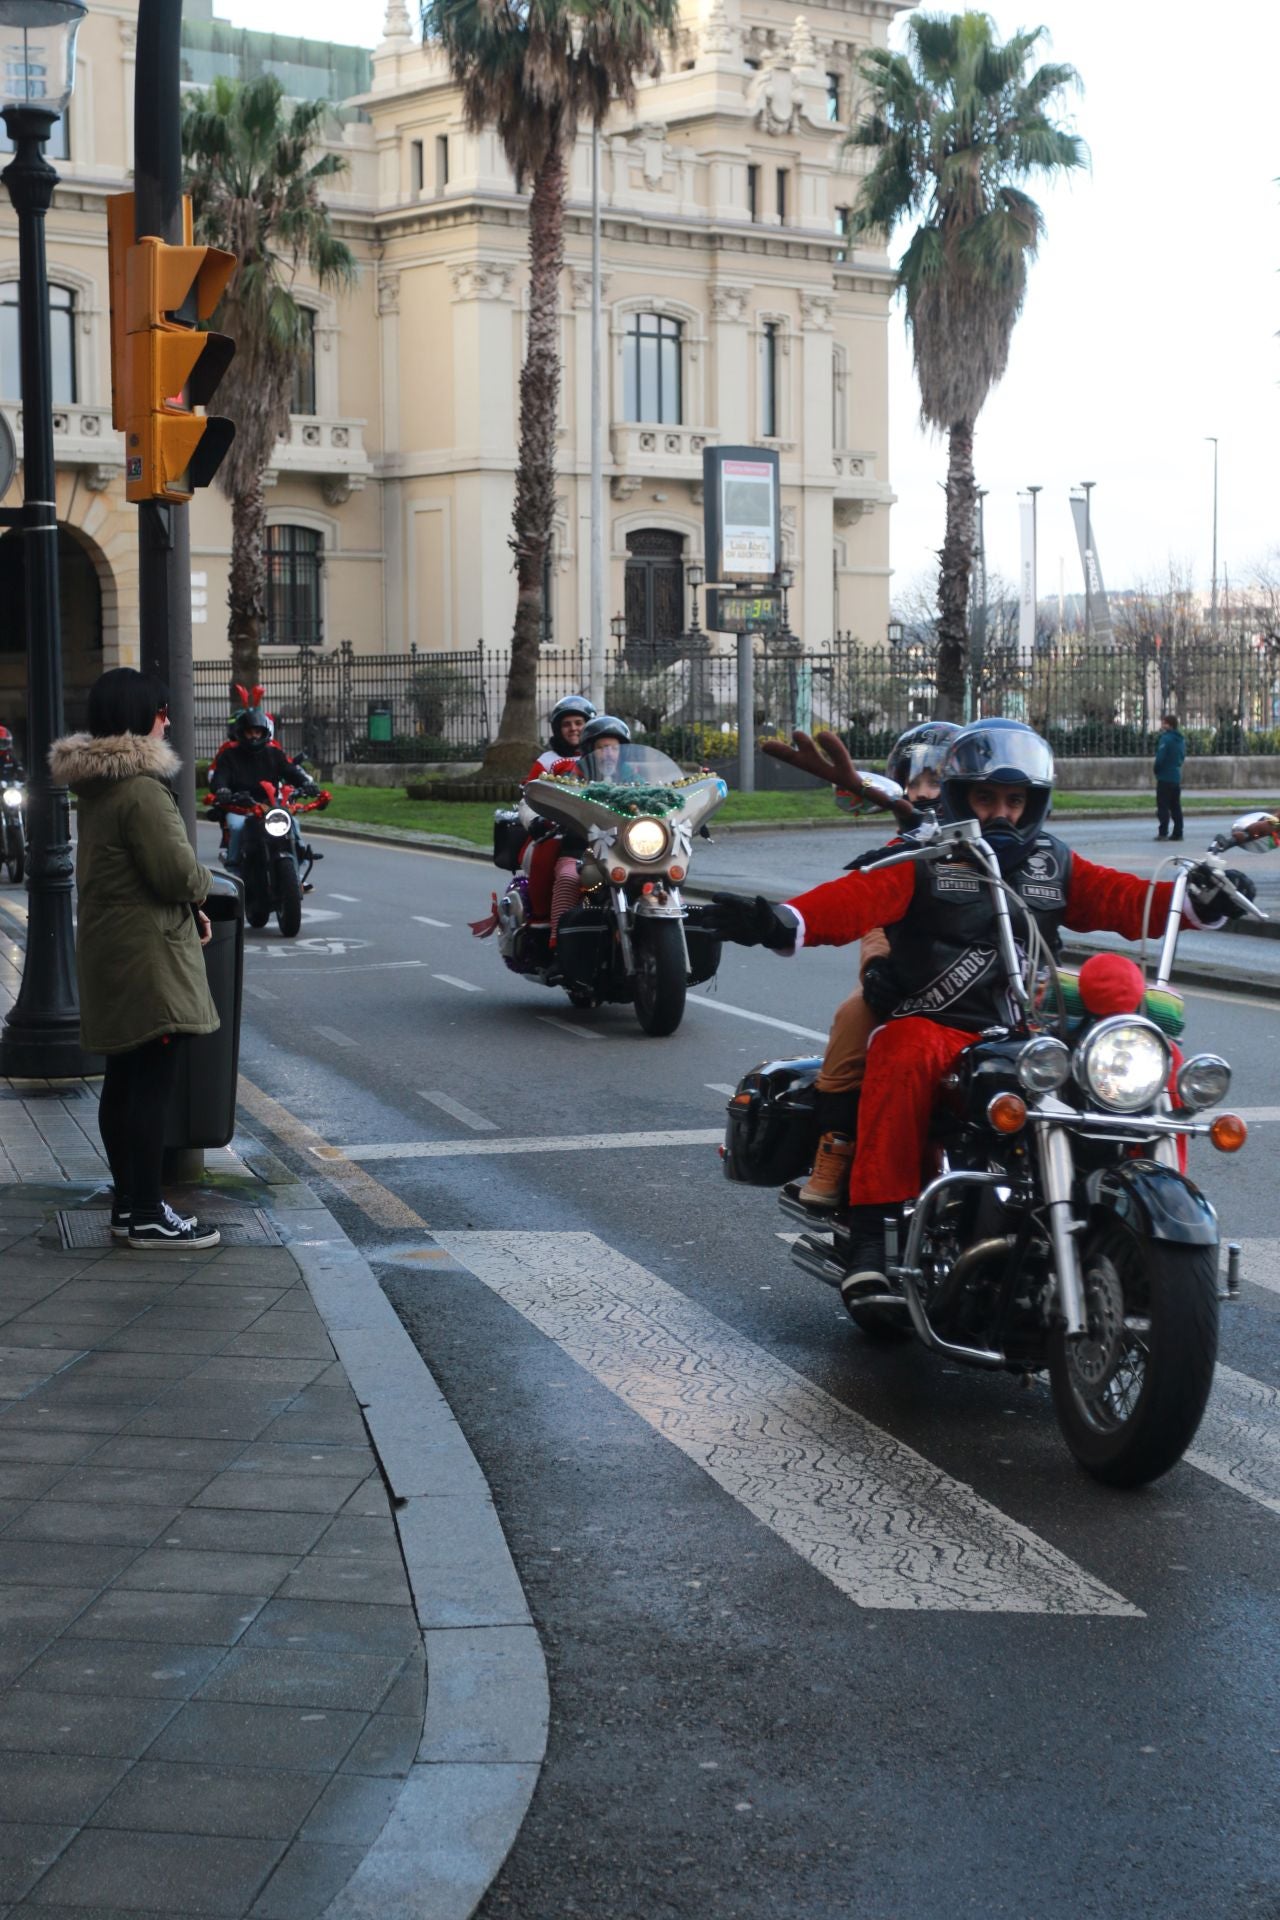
(533, 517)
(956, 564)
(247, 584)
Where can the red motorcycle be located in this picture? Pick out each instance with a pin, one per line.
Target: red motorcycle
(270, 858)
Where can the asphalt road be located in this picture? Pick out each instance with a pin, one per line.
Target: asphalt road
(832, 1630)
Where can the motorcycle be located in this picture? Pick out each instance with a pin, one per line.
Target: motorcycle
(631, 827)
(273, 860)
(1058, 1232)
(13, 829)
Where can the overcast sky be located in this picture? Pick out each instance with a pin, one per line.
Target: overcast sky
(1153, 310)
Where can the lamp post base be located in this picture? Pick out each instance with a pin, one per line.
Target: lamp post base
(51, 1051)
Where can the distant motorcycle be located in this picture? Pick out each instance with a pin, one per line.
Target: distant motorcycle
(630, 938)
(13, 830)
(272, 859)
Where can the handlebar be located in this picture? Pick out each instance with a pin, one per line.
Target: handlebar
(1213, 873)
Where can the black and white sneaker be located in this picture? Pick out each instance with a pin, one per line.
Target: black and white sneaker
(165, 1228)
(121, 1214)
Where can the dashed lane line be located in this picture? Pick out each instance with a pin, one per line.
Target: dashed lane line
(377, 1150)
(451, 980)
(336, 1037)
(425, 920)
(718, 1086)
(455, 1108)
(883, 1524)
(349, 899)
(567, 1026)
(761, 1019)
(259, 993)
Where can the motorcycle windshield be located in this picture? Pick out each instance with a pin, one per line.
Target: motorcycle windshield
(616, 763)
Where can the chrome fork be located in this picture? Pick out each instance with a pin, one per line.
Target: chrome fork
(1057, 1174)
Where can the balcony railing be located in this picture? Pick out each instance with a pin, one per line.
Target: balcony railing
(83, 436)
(675, 452)
(329, 450)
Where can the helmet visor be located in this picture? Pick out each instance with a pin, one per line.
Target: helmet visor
(1005, 756)
(922, 756)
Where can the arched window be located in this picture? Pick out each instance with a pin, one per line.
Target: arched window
(303, 397)
(62, 344)
(295, 556)
(651, 369)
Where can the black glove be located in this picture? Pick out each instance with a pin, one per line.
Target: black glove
(1209, 900)
(881, 988)
(750, 923)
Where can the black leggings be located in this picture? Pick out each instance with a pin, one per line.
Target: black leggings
(136, 1087)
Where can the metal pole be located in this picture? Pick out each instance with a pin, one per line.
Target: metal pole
(596, 687)
(164, 531)
(746, 715)
(1035, 568)
(1213, 593)
(41, 1037)
(1088, 487)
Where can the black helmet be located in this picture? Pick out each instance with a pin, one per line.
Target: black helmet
(920, 750)
(605, 727)
(1007, 753)
(254, 720)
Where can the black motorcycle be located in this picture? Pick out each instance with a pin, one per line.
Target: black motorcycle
(13, 829)
(1058, 1231)
(272, 860)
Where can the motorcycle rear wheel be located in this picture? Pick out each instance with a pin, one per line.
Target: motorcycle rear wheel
(661, 982)
(1131, 1394)
(289, 909)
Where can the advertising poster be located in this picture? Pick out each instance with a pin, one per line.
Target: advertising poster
(748, 518)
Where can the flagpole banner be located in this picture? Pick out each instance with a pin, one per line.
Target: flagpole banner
(1027, 581)
(1099, 606)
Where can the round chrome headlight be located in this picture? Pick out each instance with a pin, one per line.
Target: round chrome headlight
(1044, 1064)
(1123, 1063)
(1203, 1080)
(645, 839)
(278, 823)
(13, 796)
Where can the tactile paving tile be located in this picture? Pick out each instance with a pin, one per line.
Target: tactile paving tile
(239, 1226)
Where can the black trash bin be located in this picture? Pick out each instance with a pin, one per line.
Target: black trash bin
(203, 1109)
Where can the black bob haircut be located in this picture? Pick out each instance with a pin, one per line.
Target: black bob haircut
(123, 700)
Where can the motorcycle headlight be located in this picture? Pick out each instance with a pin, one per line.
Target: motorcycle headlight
(13, 796)
(1123, 1063)
(644, 839)
(277, 822)
(1044, 1064)
(1203, 1080)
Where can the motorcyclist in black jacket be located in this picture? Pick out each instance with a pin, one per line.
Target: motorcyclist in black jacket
(249, 762)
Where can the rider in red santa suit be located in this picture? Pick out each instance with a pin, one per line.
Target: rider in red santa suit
(945, 983)
(568, 717)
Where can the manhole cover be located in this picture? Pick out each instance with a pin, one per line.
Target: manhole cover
(239, 1226)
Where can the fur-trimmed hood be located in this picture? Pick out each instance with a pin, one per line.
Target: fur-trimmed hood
(78, 759)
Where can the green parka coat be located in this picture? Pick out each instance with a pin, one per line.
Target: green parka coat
(138, 957)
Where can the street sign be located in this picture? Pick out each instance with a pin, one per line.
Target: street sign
(742, 513)
(730, 611)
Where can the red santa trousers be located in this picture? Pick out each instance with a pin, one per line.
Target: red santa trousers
(905, 1062)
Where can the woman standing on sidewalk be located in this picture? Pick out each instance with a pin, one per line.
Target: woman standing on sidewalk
(138, 940)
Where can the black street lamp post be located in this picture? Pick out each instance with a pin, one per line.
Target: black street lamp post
(41, 1037)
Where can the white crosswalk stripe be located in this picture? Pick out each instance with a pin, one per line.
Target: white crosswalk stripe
(1239, 1438)
(531, 1143)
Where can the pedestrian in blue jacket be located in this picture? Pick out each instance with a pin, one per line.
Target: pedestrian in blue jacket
(1171, 751)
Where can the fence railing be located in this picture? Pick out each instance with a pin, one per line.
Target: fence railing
(1088, 700)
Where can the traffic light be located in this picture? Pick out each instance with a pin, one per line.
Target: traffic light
(162, 365)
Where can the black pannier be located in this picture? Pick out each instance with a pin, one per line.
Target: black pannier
(772, 1131)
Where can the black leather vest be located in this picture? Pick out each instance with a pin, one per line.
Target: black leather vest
(944, 948)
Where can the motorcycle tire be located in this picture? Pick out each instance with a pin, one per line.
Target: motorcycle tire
(661, 982)
(18, 867)
(257, 916)
(289, 887)
(1130, 1395)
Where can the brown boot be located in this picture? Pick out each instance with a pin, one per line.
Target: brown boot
(828, 1184)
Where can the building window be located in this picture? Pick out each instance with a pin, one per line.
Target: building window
(753, 192)
(303, 397)
(833, 98)
(415, 166)
(844, 227)
(295, 556)
(651, 369)
(442, 162)
(62, 344)
(769, 427)
(782, 196)
(56, 148)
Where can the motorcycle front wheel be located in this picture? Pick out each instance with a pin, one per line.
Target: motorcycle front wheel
(17, 865)
(661, 981)
(289, 900)
(1130, 1393)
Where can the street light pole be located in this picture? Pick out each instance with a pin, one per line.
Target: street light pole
(1087, 487)
(1035, 567)
(1213, 591)
(41, 1037)
(595, 689)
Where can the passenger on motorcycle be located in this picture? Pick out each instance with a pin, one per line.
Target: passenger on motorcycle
(242, 765)
(601, 745)
(914, 764)
(11, 767)
(945, 982)
(567, 719)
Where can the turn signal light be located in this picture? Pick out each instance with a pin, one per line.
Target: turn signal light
(1007, 1113)
(676, 874)
(618, 876)
(1228, 1132)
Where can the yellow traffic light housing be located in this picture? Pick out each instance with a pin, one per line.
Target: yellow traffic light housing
(162, 364)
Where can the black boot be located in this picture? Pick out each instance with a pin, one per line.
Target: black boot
(863, 1251)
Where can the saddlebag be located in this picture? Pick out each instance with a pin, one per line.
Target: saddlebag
(509, 836)
(583, 944)
(772, 1131)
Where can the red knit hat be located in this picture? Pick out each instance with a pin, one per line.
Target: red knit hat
(1111, 983)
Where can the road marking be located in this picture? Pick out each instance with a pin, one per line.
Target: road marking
(312, 916)
(425, 920)
(361, 966)
(338, 1039)
(883, 1524)
(1256, 1116)
(761, 1019)
(718, 1086)
(18, 908)
(259, 993)
(451, 980)
(567, 1026)
(348, 898)
(384, 1208)
(533, 1143)
(1239, 1438)
(455, 1107)
(1259, 1264)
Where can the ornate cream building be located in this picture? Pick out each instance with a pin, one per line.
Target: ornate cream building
(735, 311)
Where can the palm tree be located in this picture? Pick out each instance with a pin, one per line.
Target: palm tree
(954, 122)
(534, 70)
(255, 183)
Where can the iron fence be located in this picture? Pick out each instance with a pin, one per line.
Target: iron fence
(1089, 700)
